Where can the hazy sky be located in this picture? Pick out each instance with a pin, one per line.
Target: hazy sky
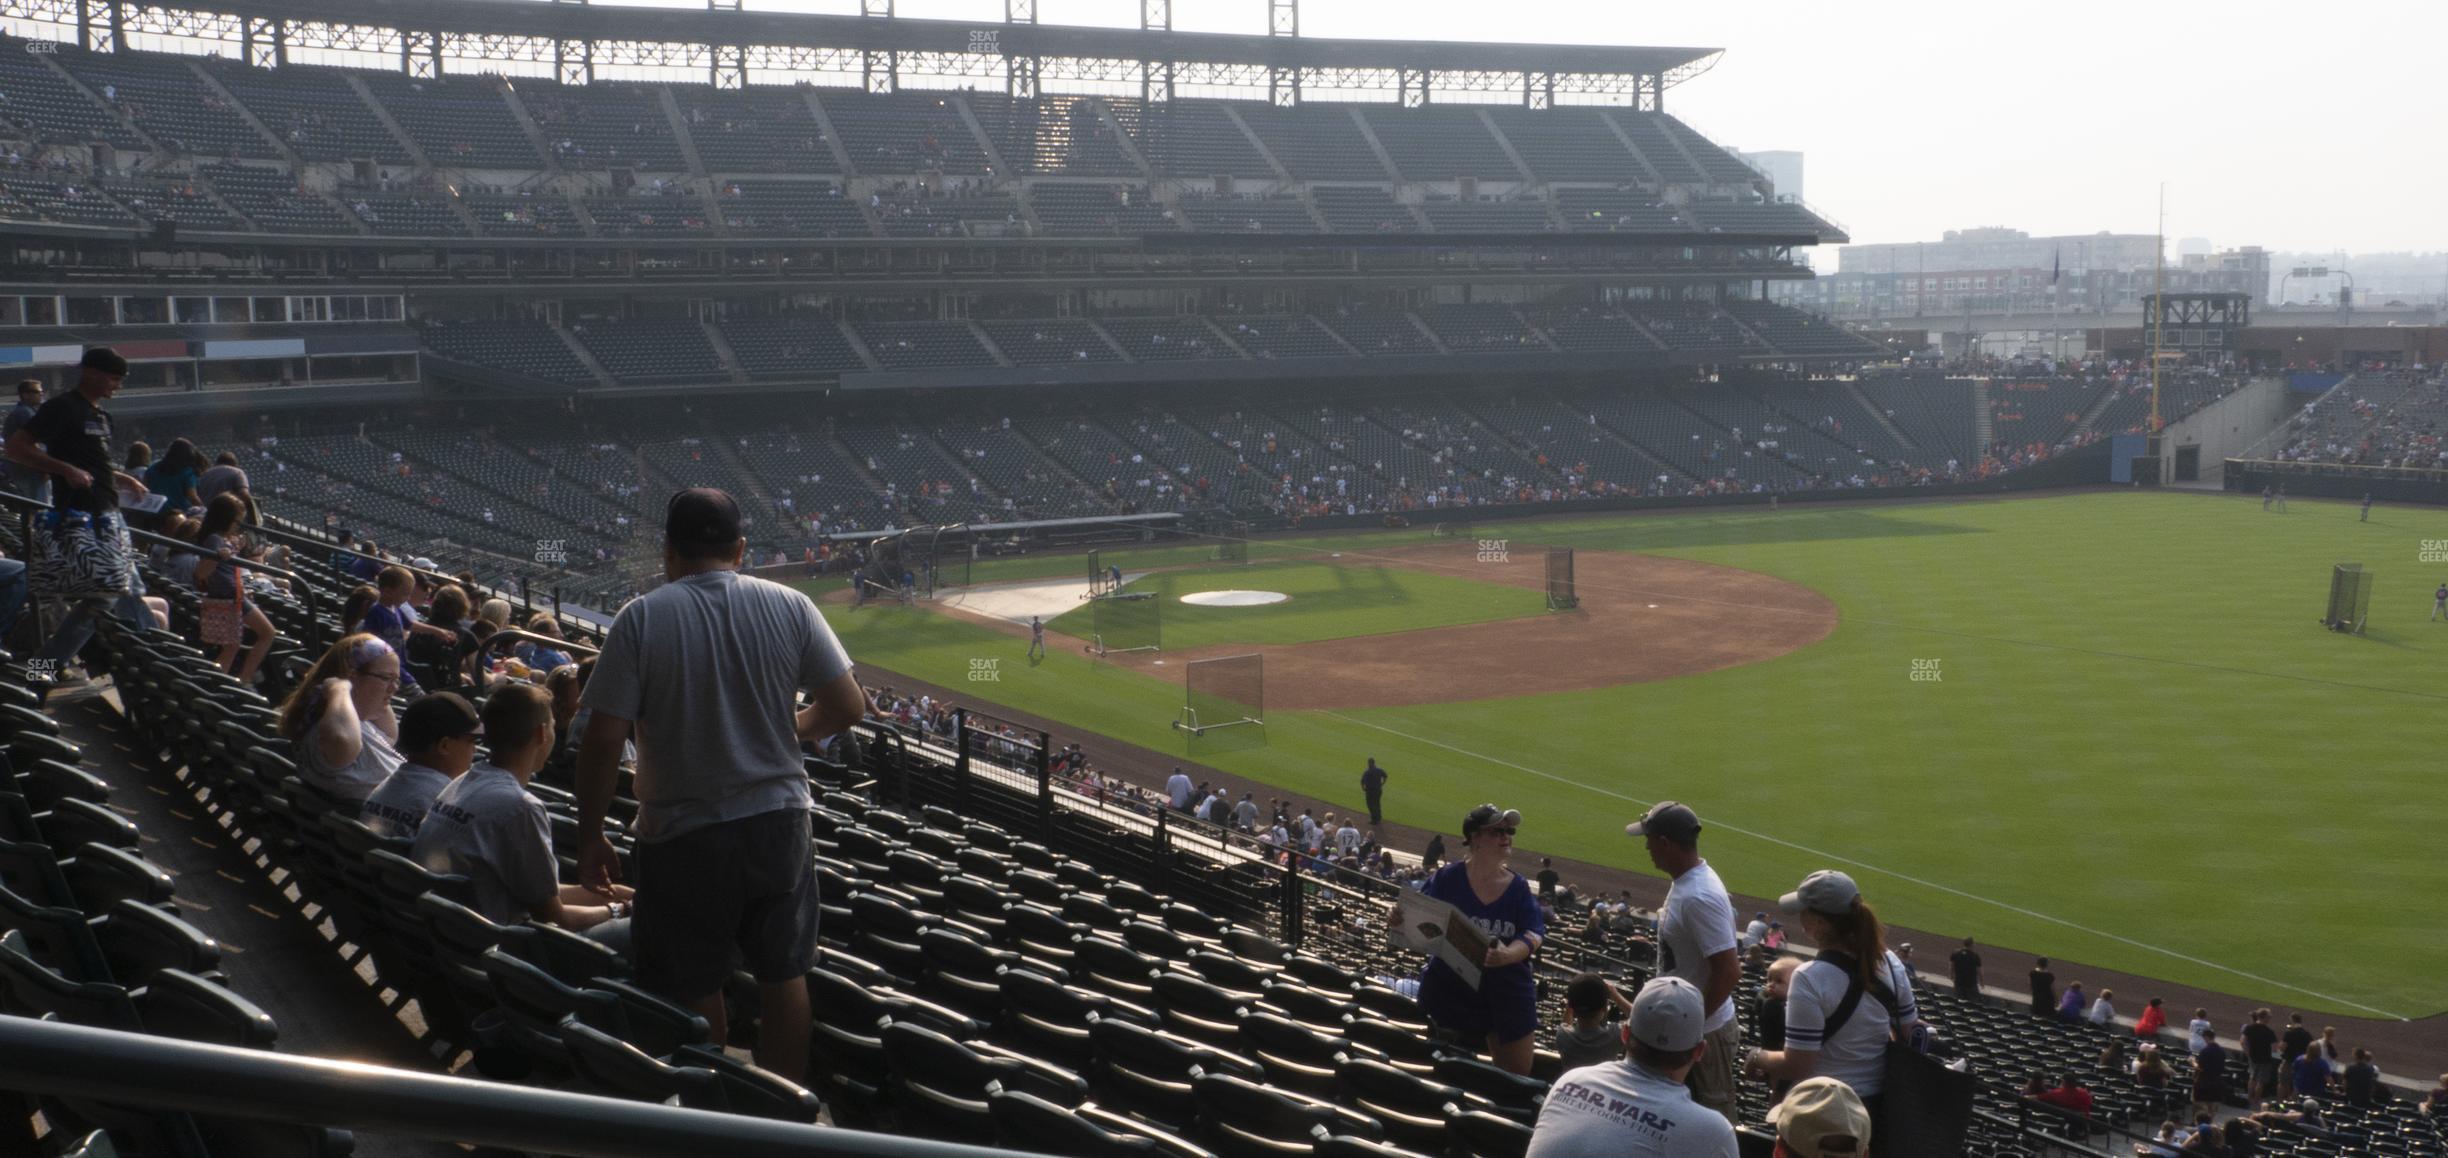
(2292, 126)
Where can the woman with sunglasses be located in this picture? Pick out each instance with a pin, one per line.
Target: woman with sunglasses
(339, 720)
(1502, 1012)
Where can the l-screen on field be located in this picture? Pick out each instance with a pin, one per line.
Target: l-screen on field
(2109, 728)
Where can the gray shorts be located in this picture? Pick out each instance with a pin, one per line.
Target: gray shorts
(742, 892)
(1712, 1081)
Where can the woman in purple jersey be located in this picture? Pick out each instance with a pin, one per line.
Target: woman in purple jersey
(1503, 1011)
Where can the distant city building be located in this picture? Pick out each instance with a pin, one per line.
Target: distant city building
(1993, 248)
(1783, 167)
(2037, 290)
(2379, 278)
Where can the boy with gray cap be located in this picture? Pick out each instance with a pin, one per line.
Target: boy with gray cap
(1639, 1106)
(1696, 941)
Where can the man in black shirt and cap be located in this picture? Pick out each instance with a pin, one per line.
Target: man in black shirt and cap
(69, 440)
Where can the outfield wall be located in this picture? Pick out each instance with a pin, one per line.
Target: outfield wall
(2331, 480)
(2081, 466)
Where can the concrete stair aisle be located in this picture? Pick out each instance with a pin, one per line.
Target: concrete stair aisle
(1123, 141)
(1647, 455)
(213, 83)
(1281, 173)
(987, 340)
(1377, 149)
(416, 153)
(2107, 398)
(585, 357)
(279, 951)
(1657, 179)
(1057, 465)
(722, 351)
(527, 124)
(74, 85)
(1853, 390)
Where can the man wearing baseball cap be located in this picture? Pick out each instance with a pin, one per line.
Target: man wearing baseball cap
(704, 673)
(1696, 942)
(1821, 1118)
(1639, 1106)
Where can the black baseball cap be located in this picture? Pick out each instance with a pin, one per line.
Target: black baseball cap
(437, 717)
(105, 359)
(701, 517)
(1487, 814)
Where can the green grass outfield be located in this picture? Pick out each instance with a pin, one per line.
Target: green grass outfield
(2141, 750)
(1327, 603)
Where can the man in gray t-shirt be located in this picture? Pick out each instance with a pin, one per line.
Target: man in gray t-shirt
(437, 737)
(704, 673)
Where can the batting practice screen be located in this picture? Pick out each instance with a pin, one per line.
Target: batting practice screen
(1126, 623)
(2350, 588)
(1100, 581)
(1561, 596)
(1222, 692)
(1234, 546)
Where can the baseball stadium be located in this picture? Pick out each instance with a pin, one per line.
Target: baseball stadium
(1242, 485)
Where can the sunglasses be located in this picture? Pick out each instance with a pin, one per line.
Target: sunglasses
(1503, 832)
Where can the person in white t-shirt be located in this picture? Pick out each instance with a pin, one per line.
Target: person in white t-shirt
(1178, 789)
(1639, 1107)
(1347, 838)
(1696, 942)
(1824, 1038)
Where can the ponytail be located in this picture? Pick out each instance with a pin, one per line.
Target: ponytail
(1859, 935)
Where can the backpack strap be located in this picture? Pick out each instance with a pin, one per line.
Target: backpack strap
(1853, 993)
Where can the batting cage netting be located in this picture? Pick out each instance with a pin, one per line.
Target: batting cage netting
(2350, 588)
(1222, 692)
(917, 563)
(1102, 580)
(1560, 593)
(1234, 546)
(1125, 623)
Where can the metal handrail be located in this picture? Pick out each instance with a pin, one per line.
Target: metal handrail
(178, 1076)
(555, 642)
(299, 586)
(296, 536)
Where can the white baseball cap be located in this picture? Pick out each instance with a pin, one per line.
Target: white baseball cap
(1667, 1015)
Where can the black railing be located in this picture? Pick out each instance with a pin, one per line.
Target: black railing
(300, 587)
(155, 1073)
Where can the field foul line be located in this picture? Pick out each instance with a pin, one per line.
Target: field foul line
(1867, 867)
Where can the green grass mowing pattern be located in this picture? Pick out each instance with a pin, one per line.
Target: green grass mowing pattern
(2141, 752)
(1334, 602)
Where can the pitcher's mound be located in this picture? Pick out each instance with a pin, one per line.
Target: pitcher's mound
(1234, 598)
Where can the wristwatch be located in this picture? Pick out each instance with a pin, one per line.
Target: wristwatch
(619, 909)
